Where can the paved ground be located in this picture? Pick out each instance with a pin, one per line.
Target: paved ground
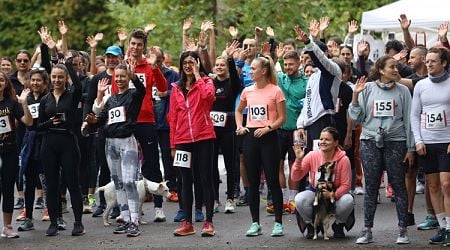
(230, 230)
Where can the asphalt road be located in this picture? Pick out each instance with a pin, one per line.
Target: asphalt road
(230, 231)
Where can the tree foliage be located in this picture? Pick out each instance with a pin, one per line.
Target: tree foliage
(21, 19)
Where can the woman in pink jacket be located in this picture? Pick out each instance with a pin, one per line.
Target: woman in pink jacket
(329, 152)
(192, 137)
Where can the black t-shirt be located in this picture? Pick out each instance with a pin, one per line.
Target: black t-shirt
(10, 110)
(344, 100)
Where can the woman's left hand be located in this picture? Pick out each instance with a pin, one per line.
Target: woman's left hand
(261, 131)
(409, 158)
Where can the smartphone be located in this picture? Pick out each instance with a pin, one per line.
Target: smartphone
(61, 117)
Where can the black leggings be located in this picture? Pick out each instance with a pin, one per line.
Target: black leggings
(61, 151)
(31, 180)
(201, 168)
(88, 163)
(224, 140)
(263, 153)
(9, 169)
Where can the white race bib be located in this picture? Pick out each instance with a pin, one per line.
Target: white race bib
(154, 95)
(383, 108)
(258, 113)
(316, 144)
(116, 115)
(34, 110)
(5, 126)
(182, 159)
(142, 78)
(219, 118)
(435, 119)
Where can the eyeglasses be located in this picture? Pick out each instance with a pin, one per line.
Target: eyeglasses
(22, 60)
(38, 69)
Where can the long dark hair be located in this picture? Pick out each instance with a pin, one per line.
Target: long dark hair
(183, 77)
(9, 92)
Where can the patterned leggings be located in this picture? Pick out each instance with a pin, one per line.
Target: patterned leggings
(373, 160)
(123, 162)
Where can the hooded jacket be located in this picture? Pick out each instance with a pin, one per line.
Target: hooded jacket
(188, 116)
(314, 159)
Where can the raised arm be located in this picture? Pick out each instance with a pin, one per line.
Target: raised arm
(203, 51)
(404, 24)
(93, 41)
(442, 32)
(208, 26)
(63, 29)
(186, 27)
(352, 28)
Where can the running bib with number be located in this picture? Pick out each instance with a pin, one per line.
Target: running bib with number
(34, 110)
(436, 119)
(258, 113)
(182, 159)
(5, 126)
(383, 108)
(116, 115)
(219, 118)
(154, 94)
(338, 105)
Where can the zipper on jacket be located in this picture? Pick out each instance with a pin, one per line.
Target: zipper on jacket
(189, 118)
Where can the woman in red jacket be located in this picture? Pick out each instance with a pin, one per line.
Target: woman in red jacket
(192, 137)
(329, 152)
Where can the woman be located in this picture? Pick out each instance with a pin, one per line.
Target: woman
(59, 148)
(29, 156)
(383, 108)
(6, 65)
(330, 151)
(119, 119)
(11, 108)
(266, 113)
(227, 84)
(192, 138)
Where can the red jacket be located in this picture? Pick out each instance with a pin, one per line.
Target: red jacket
(150, 77)
(311, 162)
(189, 118)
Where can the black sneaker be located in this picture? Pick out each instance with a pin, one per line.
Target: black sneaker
(61, 223)
(338, 230)
(39, 203)
(20, 204)
(99, 211)
(115, 212)
(243, 201)
(52, 230)
(310, 231)
(78, 229)
(133, 230)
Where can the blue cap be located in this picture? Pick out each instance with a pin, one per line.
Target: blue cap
(114, 50)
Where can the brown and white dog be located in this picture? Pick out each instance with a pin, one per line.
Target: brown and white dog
(143, 186)
(323, 207)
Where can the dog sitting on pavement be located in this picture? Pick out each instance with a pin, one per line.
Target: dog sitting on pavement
(143, 186)
(323, 207)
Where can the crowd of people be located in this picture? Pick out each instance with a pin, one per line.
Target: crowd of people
(74, 120)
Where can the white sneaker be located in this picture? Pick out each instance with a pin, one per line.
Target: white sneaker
(402, 238)
(230, 205)
(359, 191)
(420, 189)
(217, 206)
(87, 209)
(159, 215)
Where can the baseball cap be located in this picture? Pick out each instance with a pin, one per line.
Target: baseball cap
(114, 50)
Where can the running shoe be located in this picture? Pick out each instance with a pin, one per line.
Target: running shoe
(402, 238)
(39, 203)
(365, 237)
(78, 229)
(199, 217)
(254, 230)
(26, 225)
(179, 217)
(439, 237)
(230, 206)
(121, 228)
(208, 229)
(61, 223)
(133, 230)
(22, 215)
(20, 204)
(52, 230)
(186, 228)
(159, 215)
(277, 230)
(428, 223)
(45, 216)
(173, 197)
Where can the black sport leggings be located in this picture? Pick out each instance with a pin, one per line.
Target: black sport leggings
(9, 170)
(31, 180)
(263, 153)
(224, 140)
(201, 168)
(61, 151)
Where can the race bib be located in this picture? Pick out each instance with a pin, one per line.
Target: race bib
(338, 105)
(182, 159)
(116, 115)
(219, 118)
(154, 95)
(383, 108)
(316, 144)
(34, 110)
(258, 113)
(5, 126)
(435, 119)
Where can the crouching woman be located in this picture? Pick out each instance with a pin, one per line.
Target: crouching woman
(329, 152)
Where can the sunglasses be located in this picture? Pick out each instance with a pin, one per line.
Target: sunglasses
(22, 60)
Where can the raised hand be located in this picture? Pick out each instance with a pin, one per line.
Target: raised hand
(98, 37)
(400, 55)
(202, 37)
(149, 27)
(23, 96)
(207, 26)
(265, 49)
(335, 49)
(91, 41)
(323, 23)
(231, 49)
(314, 28)
(102, 85)
(269, 32)
(48, 40)
(190, 45)
(299, 151)
(280, 50)
(301, 35)
(258, 31)
(62, 27)
(442, 31)
(404, 22)
(233, 32)
(352, 27)
(43, 33)
(187, 24)
(122, 34)
(360, 84)
(362, 46)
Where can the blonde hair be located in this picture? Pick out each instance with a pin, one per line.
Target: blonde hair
(267, 62)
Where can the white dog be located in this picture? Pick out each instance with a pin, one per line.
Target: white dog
(144, 186)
